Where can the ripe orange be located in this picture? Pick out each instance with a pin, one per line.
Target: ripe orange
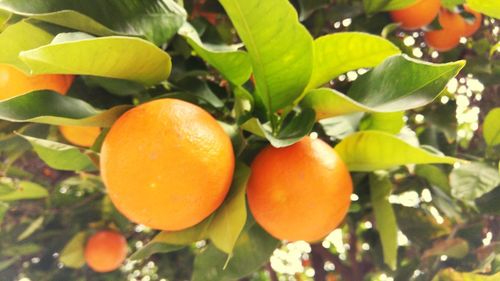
(300, 192)
(447, 38)
(417, 15)
(167, 164)
(14, 82)
(81, 136)
(105, 251)
(471, 28)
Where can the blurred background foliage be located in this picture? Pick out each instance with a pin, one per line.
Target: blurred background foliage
(448, 223)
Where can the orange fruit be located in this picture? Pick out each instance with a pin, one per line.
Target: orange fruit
(167, 164)
(471, 28)
(299, 192)
(105, 251)
(447, 38)
(81, 136)
(14, 82)
(417, 15)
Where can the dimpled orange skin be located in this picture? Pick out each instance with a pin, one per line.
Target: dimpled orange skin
(449, 37)
(14, 82)
(417, 15)
(471, 28)
(167, 164)
(105, 251)
(300, 192)
(81, 136)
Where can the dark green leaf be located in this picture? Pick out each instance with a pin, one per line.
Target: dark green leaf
(51, 108)
(373, 6)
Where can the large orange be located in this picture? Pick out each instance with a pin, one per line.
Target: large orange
(14, 82)
(300, 192)
(167, 164)
(417, 15)
(81, 136)
(447, 38)
(471, 28)
(105, 251)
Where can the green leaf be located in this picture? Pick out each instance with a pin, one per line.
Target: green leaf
(222, 228)
(230, 218)
(307, 7)
(456, 248)
(281, 54)
(4, 18)
(338, 53)
(34, 225)
(157, 20)
(373, 6)
(294, 128)
(341, 126)
(491, 127)
(390, 122)
(4, 207)
(252, 250)
(51, 108)
(4, 264)
(471, 181)
(14, 39)
(449, 274)
(72, 254)
(490, 8)
(62, 156)
(488, 203)
(125, 58)
(401, 83)
(435, 176)
(495, 48)
(12, 190)
(385, 219)
(234, 65)
(375, 150)
(418, 83)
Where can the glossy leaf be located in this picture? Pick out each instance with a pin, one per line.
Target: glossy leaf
(230, 218)
(490, 8)
(471, 181)
(125, 58)
(14, 40)
(375, 150)
(252, 250)
(435, 176)
(491, 127)
(338, 53)
(62, 156)
(51, 108)
(385, 219)
(233, 64)
(281, 54)
(157, 20)
(418, 84)
(12, 190)
(72, 254)
(373, 6)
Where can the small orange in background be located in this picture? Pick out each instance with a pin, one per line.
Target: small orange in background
(167, 164)
(299, 192)
(14, 82)
(81, 136)
(471, 28)
(447, 38)
(417, 15)
(105, 251)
